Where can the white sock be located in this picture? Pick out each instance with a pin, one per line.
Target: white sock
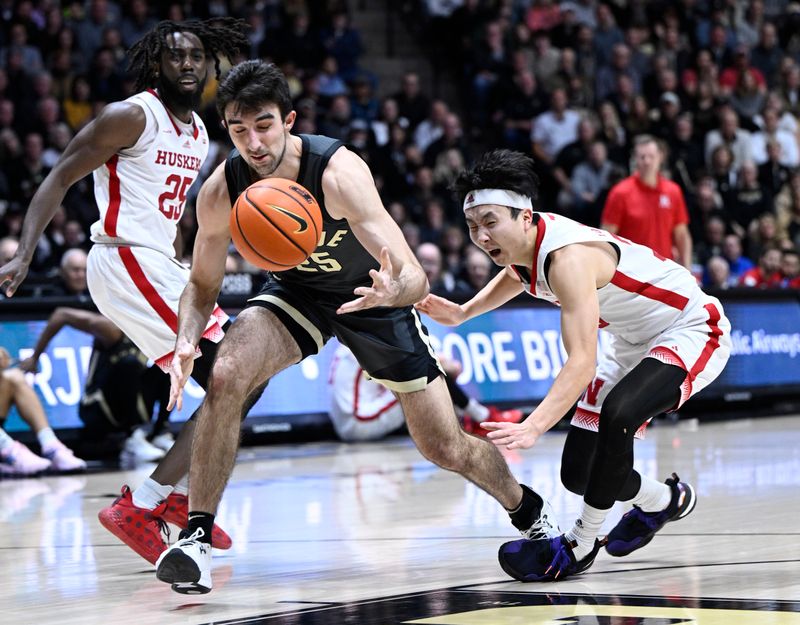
(476, 410)
(653, 496)
(586, 528)
(46, 437)
(150, 494)
(5, 440)
(182, 487)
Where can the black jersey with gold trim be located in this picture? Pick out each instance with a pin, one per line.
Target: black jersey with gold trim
(339, 263)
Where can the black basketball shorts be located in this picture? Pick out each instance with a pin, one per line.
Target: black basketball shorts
(390, 344)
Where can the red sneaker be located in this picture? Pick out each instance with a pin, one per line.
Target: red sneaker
(511, 416)
(139, 528)
(177, 513)
(497, 415)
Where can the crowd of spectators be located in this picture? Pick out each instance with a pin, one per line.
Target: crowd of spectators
(572, 83)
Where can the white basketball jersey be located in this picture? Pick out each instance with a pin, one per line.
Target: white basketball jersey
(647, 294)
(361, 409)
(141, 190)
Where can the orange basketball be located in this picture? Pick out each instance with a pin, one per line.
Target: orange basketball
(275, 224)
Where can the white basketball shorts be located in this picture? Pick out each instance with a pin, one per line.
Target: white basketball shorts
(699, 343)
(139, 288)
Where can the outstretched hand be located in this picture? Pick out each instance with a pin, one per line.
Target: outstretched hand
(179, 372)
(12, 274)
(383, 292)
(441, 310)
(512, 435)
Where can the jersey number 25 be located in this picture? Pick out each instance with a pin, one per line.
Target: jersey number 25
(177, 188)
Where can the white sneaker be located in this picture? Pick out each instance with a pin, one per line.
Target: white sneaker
(164, 441)
(187, 565)
(546, 526)
(63, 459)
(17, 459)
(140, 449)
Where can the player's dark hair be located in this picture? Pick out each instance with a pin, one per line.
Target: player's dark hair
(251, 85)
(500, 169)
(221, 37)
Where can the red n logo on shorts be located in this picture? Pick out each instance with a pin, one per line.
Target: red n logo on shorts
(593, 390)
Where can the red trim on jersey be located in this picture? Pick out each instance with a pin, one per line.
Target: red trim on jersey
(147, 289)
(114, 197)
(590, 420)
(602, 323)
(371, 417)
(713, 341)
(178, 131)
(540, 230)
(669, 357)
(650, 291)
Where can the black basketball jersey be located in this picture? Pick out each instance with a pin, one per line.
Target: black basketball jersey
(339, 263)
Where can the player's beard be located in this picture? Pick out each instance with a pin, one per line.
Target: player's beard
(172, 95)
(267, 170)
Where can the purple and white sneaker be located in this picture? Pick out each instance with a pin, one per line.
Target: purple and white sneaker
(637, 527)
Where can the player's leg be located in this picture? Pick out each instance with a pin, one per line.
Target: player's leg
(138, 290)
(652, 387)
(32, 412)
(705, 348)
(174, 467)
(257, 346)
(392, 345)
(435, 430)
(434, 427)
(576, 462)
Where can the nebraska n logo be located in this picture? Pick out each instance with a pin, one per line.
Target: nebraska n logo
(302, 223)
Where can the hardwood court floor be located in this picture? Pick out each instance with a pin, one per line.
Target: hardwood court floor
(373, 534)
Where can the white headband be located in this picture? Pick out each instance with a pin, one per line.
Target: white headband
(501, 197)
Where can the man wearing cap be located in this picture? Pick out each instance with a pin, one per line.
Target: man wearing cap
(649, 209)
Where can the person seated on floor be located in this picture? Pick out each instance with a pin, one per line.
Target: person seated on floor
(121, 390)
(362, 409)
(15, 458)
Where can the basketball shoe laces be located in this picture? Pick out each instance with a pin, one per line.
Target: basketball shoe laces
(542, 527)
(195, 538)
(561, 561)
(156, 513)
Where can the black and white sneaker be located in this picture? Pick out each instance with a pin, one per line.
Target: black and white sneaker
(546, 526)
(187, 565)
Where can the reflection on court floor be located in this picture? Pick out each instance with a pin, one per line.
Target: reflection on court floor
(374, 534)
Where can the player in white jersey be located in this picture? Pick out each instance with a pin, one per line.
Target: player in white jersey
(145, 153)
(669, 341)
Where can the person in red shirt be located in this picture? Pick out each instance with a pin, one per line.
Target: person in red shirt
(767, 273)
(649, 209)
(790, 270)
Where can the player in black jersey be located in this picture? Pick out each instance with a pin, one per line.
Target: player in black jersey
(362, 252)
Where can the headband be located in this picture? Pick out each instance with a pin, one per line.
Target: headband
(501, 197)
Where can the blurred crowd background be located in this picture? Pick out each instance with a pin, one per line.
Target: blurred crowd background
(571, 83)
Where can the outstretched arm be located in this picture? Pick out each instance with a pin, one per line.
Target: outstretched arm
(118, 126)
(90, 322)
(208, 270)
(350, 193)
(573, 278)
(500, 289)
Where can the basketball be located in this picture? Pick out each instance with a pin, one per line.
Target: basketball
(275, 224)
